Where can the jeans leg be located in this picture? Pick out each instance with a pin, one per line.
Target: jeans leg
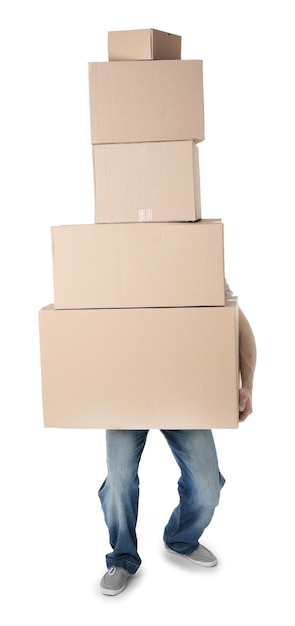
(119, 496)
(198, 487)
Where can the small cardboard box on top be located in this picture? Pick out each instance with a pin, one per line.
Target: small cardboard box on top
(140, 368)
(143, 44)
(148, 181)
(138, 265)
(132, 101)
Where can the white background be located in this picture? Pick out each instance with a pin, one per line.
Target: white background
(53, 537)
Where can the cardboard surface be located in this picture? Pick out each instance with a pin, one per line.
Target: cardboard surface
(149, 181)
(145, 43)
(140, 368)
(132, 101)
(138, 265)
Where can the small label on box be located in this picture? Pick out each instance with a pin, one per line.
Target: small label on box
(145, 215)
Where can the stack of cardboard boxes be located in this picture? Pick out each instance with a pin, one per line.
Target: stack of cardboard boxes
(140, 334)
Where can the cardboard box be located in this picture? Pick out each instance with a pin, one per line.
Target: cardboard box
(138, 265)
(132, 101)
(140, 368)
(149, 181)
(143, 44)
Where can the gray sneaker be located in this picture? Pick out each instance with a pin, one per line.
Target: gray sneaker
(200, 556)
(114, 581)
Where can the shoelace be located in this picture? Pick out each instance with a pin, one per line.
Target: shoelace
(112, 571)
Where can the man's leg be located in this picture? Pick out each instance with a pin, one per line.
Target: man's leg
(199, 488)
(119, 496)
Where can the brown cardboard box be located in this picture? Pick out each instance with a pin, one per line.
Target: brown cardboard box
(143, 44)
(140, 368)
(149, 181)
(133, 101)
(138, 265)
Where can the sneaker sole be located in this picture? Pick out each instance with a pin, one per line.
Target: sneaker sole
(112, 592)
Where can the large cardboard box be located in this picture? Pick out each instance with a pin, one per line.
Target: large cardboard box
(133, 101)
(138, 265)
(143, 44)
(140, 368)
(149, 181)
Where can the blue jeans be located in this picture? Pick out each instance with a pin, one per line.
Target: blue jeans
(199, 488)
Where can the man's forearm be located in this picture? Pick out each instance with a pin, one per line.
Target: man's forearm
(247, 351)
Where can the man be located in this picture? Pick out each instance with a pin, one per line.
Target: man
(199, 485)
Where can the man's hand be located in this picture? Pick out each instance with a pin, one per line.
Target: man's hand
(245, 406)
